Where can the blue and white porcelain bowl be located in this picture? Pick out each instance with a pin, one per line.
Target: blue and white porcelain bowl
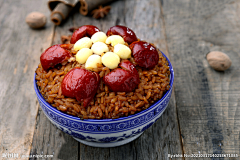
(106, 132)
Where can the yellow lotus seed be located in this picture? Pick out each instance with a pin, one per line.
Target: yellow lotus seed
(122, 51)
(92, 61)
(84, 42)
(83, 54)
(99, 37)
(110, 60)
(114, 40)
(99, 48)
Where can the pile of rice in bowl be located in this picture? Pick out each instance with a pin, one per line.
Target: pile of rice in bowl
(91, 81)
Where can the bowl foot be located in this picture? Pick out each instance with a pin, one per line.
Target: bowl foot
(109, 144)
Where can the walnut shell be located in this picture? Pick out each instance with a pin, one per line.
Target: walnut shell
(36, 20)
(218, 60)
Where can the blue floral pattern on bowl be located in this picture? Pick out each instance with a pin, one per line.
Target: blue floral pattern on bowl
(106, 131)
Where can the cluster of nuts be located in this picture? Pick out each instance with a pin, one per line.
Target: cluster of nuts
(95, 50)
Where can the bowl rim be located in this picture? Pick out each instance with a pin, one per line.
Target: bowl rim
(40, 97)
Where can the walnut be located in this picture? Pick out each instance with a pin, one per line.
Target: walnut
(218, 60)
(36, 20)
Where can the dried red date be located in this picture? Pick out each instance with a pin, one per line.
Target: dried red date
(145, 54)
(128, 35)
(53, 56)
(80, 84)
(122, 80)
(87, 30)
